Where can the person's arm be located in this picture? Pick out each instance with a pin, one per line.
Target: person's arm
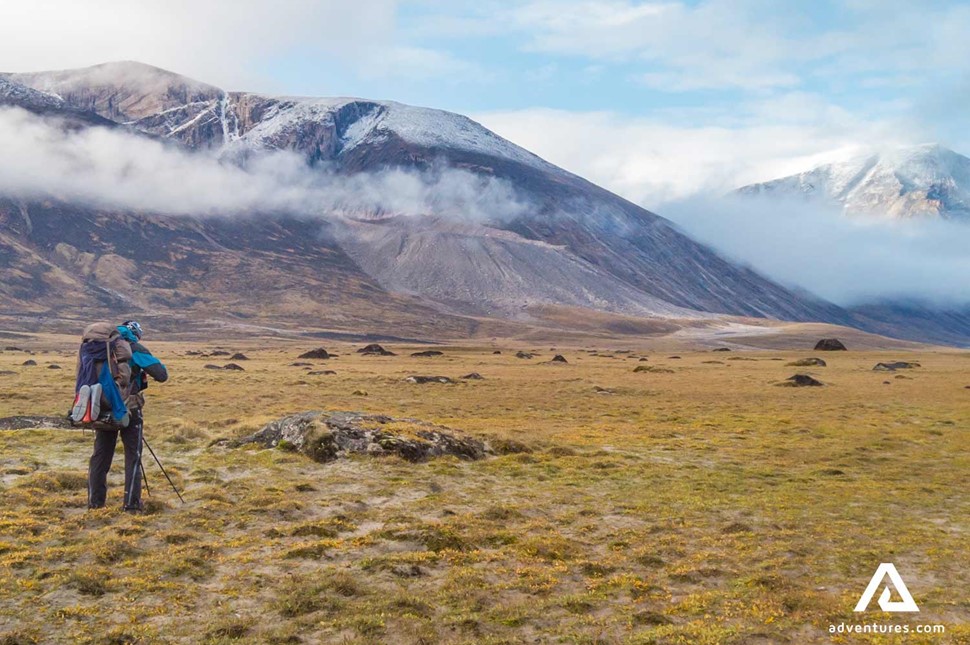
(148, 363)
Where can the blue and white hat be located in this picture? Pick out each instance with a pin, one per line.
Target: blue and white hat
(133, 327)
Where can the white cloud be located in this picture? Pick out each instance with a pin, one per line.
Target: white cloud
(114, 169)
(749, 44)
(652, 161)
(230, 43)
(846, 260)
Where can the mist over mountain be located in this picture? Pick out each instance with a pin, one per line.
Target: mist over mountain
(128, 178)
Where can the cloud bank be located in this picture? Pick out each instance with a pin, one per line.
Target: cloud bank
(115, 169)
(848, 260)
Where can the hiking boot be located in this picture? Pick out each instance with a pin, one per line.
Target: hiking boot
(81, 402)
(135, 510)
(95, 401)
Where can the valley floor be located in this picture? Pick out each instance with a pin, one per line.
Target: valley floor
(693, 503)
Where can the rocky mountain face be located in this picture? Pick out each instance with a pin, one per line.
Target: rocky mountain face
(916, 181)
(573, 244)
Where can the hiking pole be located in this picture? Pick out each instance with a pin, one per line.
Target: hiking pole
(163, 469)
(145, 476)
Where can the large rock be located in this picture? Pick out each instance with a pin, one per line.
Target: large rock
(325, 436)
(375, 350)
(319, 353)
(34, 422)
(892, 367)
(807, 362)
(801, 380)
(830, 345)
(428, 379)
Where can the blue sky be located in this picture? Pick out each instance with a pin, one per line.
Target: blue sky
(657, 100)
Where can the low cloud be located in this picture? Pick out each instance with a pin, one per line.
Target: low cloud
(654, 160)
(115, 169)
(848, 260)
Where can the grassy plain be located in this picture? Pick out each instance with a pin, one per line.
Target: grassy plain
(696, 503)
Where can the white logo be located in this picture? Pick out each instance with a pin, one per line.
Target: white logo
(906, 604)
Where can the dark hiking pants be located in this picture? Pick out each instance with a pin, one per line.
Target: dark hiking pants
(104, 451)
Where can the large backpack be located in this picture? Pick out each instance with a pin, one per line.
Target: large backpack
(102, 379)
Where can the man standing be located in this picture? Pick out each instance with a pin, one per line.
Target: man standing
(142, 365)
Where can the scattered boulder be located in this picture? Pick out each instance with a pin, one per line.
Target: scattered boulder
(53, 366)
(892, 367)
(721, 349)
(375, 350)
(193, 352)
(233, 367)
(359, 393)
(830, 345)
(674, 357)
(807, 362)
(219, 352)
(801, 380)
(713, 362)
(642, 360)
(559, 358)
(428, 353)
(521, 354)
(653, 369)
(321, 373)
(887, 382)
(299, 364)
(428, 379)
(11, 348)
(602, 390)
(326, 436)
(34, 422)
(497, 351)
(29, 362)
(474, 376)
(319, 353)
(210, 366)
(239, 356)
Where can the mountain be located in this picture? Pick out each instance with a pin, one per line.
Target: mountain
(916, 181)
(573, 244)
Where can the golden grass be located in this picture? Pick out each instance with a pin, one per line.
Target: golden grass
(695, 503)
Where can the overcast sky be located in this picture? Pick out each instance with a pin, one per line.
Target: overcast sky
(655, 100)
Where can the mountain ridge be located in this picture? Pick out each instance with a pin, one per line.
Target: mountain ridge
(926, 180)
(596, 249)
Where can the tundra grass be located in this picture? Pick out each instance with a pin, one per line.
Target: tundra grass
(694, 503)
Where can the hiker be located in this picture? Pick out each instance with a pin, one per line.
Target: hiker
(133, 364)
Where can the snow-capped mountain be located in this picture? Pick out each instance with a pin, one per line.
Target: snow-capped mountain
(575, 245)
(915, 181)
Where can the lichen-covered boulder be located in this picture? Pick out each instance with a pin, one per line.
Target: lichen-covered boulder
(326, 436)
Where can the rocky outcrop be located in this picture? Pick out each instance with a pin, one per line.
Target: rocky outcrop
(319, 354)
(428, 379)
(892, 367)
(807, 362)
(34, 422)
(830, 345)
(801, 380)
(326, 436)
(428, 353)
(375, 350)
